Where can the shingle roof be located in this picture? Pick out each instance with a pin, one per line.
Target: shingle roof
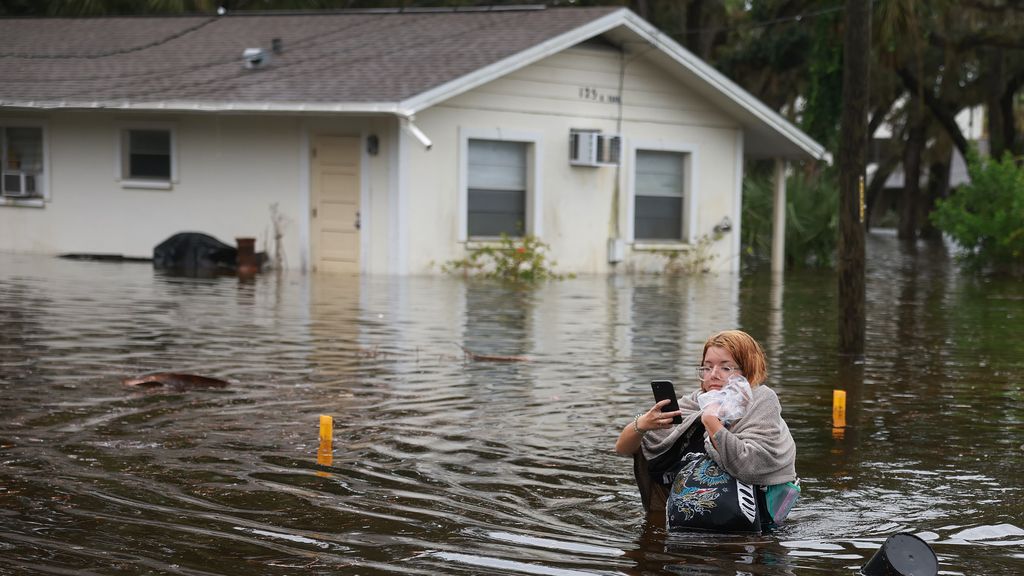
(355, 57)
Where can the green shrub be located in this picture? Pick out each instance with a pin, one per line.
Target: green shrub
(696, 261)
(517, 260)
(986, 216)
(812, 218)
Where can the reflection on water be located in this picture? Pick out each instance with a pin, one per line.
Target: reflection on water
(447, 465)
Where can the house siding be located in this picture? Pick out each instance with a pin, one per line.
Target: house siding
(230, 170)
(549, 98)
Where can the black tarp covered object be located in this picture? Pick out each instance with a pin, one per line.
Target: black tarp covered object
(194, 252)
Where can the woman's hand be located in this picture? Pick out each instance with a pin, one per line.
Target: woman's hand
(632, 433)
(711, 422)
(655, 419)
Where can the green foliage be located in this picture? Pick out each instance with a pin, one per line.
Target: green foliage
(516, 260)
(986, 216)
(820, 116)
(696, 261)
(812, 218)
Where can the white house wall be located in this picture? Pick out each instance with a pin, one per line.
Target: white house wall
(230, 170)
(577, 89)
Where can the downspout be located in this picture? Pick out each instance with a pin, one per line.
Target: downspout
(406, 122)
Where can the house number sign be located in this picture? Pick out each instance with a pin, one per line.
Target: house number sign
(592, 94)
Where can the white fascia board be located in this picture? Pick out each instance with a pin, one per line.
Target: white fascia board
(211, 106)
(502, 68)
(725, 86)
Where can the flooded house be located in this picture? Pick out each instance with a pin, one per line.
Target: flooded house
(379, 141)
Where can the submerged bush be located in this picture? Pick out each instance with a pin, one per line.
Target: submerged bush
(518, 260)
(812, 218)
(986, 216)
(696, 261)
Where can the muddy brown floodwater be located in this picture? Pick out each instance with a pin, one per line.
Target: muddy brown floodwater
(451, 463)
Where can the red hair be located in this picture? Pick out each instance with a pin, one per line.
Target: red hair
(745, 350)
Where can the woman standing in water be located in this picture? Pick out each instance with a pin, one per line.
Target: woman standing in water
(757, 448)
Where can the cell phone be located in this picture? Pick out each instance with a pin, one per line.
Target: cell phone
(664, 390)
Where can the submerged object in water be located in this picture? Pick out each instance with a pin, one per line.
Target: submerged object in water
(902, 554)
(176, 380)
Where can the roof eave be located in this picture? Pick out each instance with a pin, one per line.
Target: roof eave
(208, 106)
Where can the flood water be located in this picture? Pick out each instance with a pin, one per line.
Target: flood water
(448, 465)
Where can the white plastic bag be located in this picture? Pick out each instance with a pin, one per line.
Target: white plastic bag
(730, 403)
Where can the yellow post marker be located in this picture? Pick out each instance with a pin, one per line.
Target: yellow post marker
(839, 408)
(325, 454)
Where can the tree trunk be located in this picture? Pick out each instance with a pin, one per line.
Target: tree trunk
(938, 187)
(877, 185)
(642, 9)
(852, 153)
(996, 79)
(1007, 109)
(911, 177)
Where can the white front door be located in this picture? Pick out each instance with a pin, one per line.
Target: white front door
(335, 218)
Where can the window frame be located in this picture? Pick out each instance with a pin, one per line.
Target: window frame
(534, 169)
(689, 205)
(122, 160)
(43, 181)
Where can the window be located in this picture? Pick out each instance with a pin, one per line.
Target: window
(496, 188)
(147, 157)
(21, 151)
(658, 212)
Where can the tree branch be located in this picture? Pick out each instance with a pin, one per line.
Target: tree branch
(941, 112)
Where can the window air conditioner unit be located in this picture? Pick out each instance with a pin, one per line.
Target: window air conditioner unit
(592, 148)
(16, 185)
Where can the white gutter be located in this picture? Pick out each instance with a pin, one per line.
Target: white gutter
(405, 117)
(192, 106)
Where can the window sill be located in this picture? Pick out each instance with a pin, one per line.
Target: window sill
(147, 184)
(23, 202)
(489, 242)
(661, 246)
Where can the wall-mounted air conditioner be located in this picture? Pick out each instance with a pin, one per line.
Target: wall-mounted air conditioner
(18, 185)
(592, 148)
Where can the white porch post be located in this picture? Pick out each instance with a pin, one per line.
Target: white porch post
(398, 200)
(779, 218)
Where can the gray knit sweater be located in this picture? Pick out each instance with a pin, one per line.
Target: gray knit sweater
(758, 449)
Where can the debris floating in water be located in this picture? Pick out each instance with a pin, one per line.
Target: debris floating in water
(175, 380)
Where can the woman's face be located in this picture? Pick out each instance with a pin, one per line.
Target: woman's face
(722, 365)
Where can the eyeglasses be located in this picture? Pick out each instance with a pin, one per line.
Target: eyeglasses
(704, 372)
